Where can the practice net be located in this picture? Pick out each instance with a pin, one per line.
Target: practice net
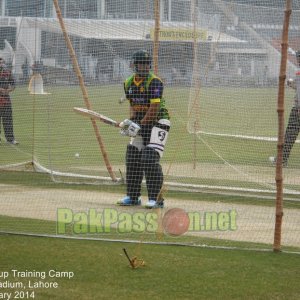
(219, 61)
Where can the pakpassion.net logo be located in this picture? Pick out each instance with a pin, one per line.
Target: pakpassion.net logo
(174, 221)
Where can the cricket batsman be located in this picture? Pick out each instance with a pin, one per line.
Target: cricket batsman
(293, 127)
(148, 127)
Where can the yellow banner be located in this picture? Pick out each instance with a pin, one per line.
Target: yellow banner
(169, 34)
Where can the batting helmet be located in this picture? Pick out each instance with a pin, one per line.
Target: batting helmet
(142, 57)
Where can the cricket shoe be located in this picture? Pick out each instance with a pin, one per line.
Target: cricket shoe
(13, 142)
(127, 201)
(154, 204)
(273, 161)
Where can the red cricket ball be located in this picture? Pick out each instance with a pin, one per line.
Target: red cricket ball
(176, 221)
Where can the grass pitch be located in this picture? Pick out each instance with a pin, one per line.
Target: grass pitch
(101, 270)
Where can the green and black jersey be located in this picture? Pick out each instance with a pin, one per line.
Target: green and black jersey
(143, 93)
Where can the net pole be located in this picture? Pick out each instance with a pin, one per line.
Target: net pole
(164, 188)
(280, 111)
(196, 82)
(83, 90)
(155, 64)
(156, 35)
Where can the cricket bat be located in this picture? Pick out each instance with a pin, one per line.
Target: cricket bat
(94, 115)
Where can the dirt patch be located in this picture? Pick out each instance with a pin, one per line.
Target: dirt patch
(254, 223)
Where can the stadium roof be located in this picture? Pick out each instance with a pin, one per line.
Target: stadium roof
(120, 29)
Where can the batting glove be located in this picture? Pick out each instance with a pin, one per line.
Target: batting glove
(129, 128)
(133, 129)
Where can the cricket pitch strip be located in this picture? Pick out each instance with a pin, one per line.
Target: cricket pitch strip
(253, 223)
